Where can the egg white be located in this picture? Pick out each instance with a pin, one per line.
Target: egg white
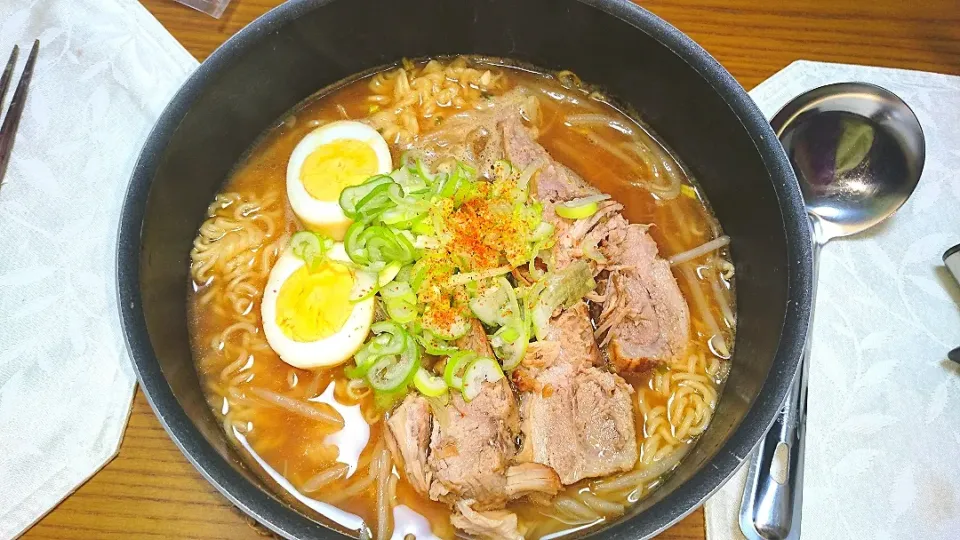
(331, 350)
(326, 216)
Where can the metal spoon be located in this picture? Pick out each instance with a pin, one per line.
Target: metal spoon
(858, 151)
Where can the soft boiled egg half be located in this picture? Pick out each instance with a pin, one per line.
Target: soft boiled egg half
(308, 317)
(328, 159)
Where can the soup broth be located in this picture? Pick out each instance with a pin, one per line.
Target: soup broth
(318, 435)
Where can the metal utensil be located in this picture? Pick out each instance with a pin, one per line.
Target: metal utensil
(858, 151)
(951, 259)
(8, 130)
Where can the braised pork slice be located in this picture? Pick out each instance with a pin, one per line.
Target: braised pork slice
(472, 445)
(493, 524)
(643, 319)
(554, 182)
(568, 343)
(532, 479)
(581, 424)
(475, 340)
(462, 453)
(574, 332)
(473, 136)
(576, 418)
(408, 438)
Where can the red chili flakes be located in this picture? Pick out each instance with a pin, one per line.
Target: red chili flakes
(485, 231)
(441, 315)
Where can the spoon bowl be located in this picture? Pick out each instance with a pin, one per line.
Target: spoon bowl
(857, 150)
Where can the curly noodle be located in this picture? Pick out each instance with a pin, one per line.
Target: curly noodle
(412, 99)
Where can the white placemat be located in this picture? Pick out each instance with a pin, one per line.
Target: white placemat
(106, 69)
(883, 431)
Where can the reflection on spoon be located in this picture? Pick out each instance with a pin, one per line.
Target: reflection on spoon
(406, 521)
(346, 519)
(856, 140)
(353, 438)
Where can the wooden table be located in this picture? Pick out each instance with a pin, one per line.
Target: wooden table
(150, 491)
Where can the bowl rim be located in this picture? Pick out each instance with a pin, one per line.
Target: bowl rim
(285, 521)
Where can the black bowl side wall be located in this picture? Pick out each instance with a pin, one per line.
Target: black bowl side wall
(283, 58)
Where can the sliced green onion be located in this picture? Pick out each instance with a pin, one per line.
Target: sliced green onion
(367, 245)
(453, 184)
(351, 245)
(401, 311)
(523, 183)
(424, 241)
(542, 232)
(467, 171)
(364, 360)
(389, 272)
(400, 220)
(449, 186)
(403, 216)
(311, 247)
(390, 374)
(360, 294)
(353, 199)
(389, 341)
(422, 227)
(395, 193)
(434, 345)
(512, 309)
(478, 372)
(374, 202)
(417, 274)
(509, 334)
(561, 289)
(437, 210)
(408, 161)
(424, 172)
(580, 208)
(428, 384)
(487, 305)
(463, 279)
(400, 301)
(396, 289)
(406, 271)
(496, 305)
(457, 363)
(502, 169)
(458, 328)
(382, 244)
(390, 338)
(465, 191)
(410, 182)
(510, 344)
(577, 212)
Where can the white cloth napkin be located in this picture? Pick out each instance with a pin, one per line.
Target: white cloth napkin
(883, 431)
(106, 69)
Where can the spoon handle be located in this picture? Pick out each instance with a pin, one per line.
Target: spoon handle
(773, 496)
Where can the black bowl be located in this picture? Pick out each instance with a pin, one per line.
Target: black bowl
(305, 45)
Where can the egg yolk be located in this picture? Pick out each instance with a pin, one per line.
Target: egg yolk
(315, 305)
(337, 165)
